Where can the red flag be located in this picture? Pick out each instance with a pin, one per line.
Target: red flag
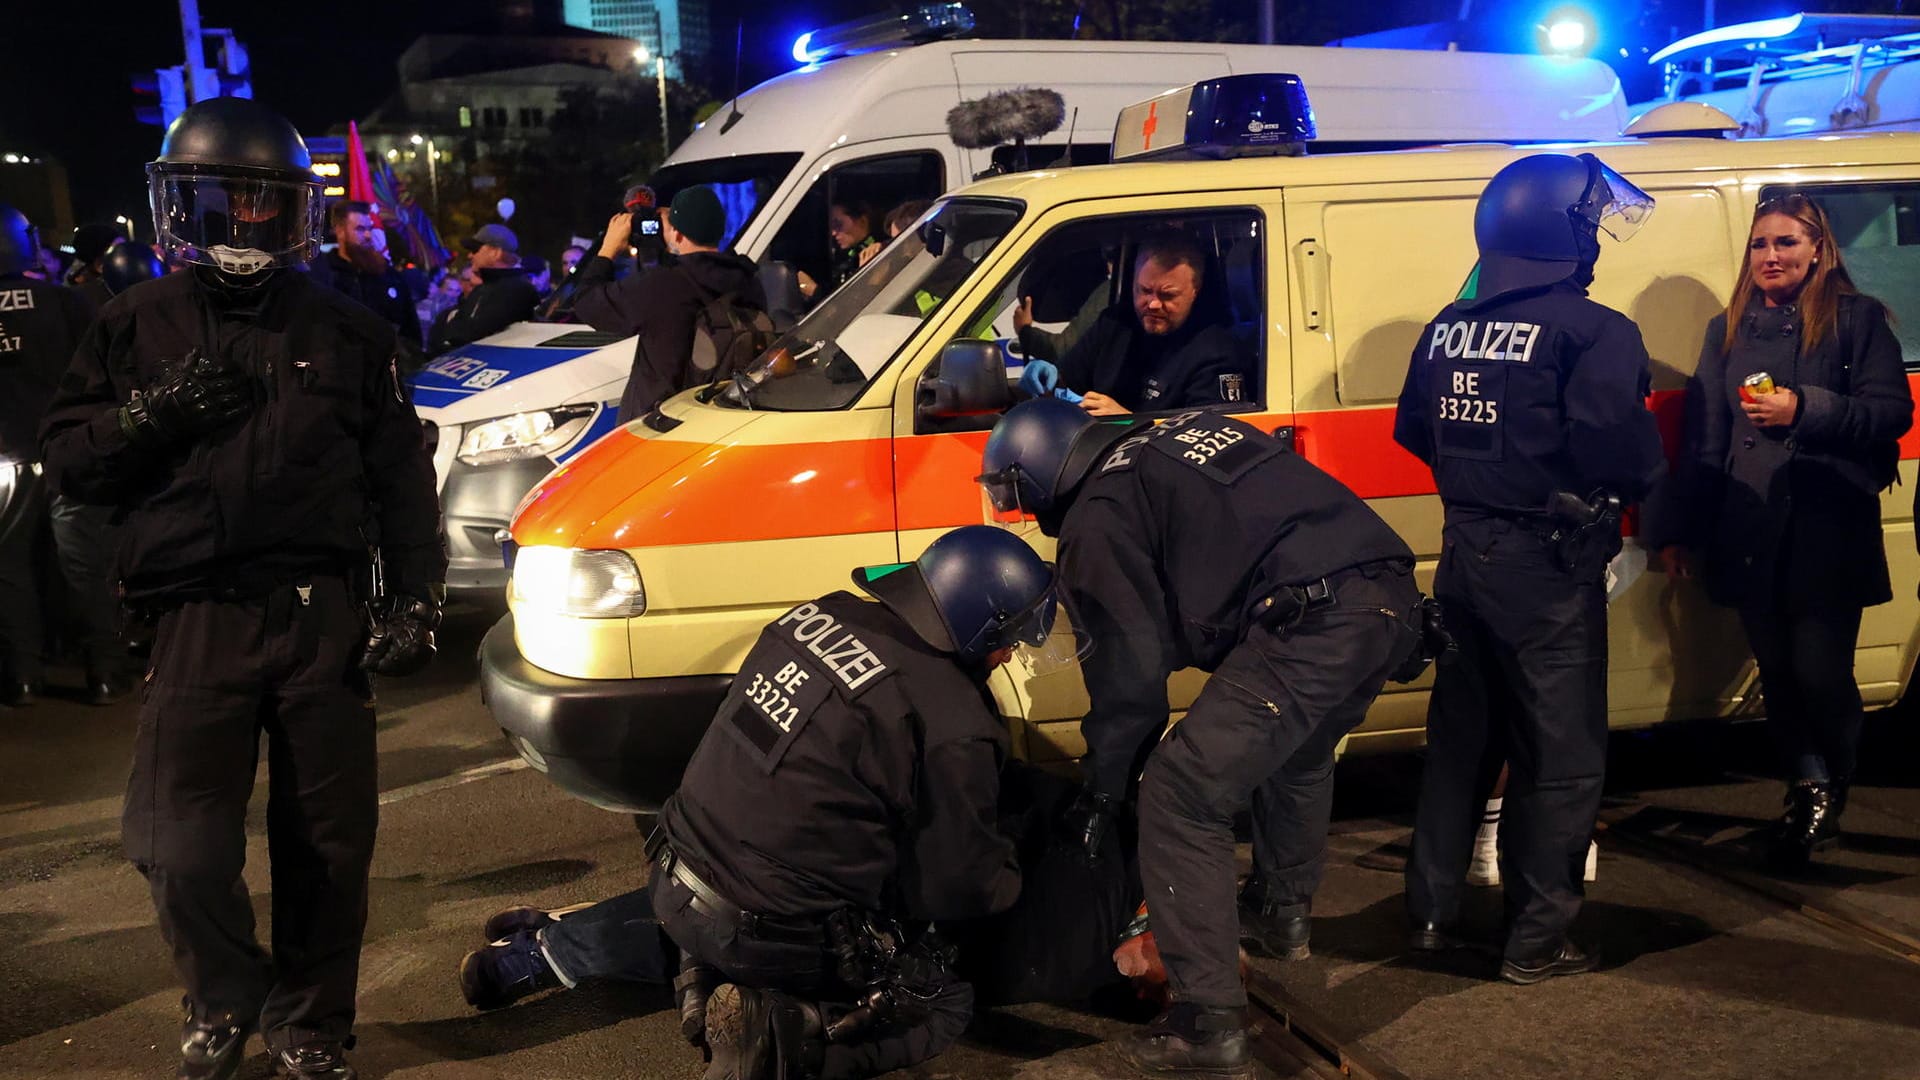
(359, 180)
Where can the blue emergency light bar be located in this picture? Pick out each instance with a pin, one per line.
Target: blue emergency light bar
(1234, 116)
(928, 22)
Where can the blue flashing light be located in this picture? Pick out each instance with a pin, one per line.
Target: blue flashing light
(1567, 31)
(800, 44)
(1232, 116)
(1567, 35)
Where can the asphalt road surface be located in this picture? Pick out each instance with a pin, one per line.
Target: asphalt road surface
(1700, 981)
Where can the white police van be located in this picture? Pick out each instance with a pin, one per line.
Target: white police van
(868, 112)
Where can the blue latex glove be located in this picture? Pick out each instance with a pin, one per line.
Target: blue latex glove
(1039, 378)
(1068, 396)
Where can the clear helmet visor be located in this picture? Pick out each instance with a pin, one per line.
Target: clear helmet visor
(1000, 503)
(237, 225)
(1612, 203)
(1062, 644)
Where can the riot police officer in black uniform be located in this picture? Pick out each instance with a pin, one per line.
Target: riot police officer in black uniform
(40, 324)
(872, 748)
(250, 428)
(1528, 400)
(1207, 543)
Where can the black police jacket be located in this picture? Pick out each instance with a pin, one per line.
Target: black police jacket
(1195, 366)
(386, 295)
(660, 305)
(330, 460)
(851, 765)
(1168, 546)
(504, 296)
(1512, 399)
(40, 326)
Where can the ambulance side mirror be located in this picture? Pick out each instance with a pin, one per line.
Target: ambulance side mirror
(969, 380)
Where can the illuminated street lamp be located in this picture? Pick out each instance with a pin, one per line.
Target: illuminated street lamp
(640, 57)
(433, 171)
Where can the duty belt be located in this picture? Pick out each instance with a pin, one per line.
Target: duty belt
(708, 901)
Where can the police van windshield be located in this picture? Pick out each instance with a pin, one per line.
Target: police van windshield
(744, 185)
(833, 353)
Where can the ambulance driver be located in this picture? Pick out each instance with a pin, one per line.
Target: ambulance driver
(1163, 348)
(1528, 400)
(1791, 422)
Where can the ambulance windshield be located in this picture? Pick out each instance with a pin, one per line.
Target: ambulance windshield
(831, 355)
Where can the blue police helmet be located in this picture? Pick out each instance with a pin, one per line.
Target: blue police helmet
(974, 591)
(1039, 453)
(1538, 221)
(129, 264)
(19, 242)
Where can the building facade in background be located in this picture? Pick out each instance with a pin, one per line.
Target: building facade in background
(677, 29)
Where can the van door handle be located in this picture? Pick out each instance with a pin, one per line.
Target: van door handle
(1310, 262)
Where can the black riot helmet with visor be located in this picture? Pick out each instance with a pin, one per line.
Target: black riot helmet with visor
(234, 189)
(1539, 219)
(1037, 457)
(975, 591)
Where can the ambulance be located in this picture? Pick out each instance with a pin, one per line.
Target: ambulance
(646, 565)
(868, 112)
(1801, 74)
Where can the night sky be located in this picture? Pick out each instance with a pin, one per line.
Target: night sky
(67, 70)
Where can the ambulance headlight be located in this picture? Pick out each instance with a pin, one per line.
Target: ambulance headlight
(524, 435)
(585, 584)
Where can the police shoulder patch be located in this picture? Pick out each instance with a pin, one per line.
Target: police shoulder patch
(1219, 447)
(771, 701)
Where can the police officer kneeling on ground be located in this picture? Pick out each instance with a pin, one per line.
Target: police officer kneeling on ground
(869, 741)
(1207, 543)
(250, 427)
(1529, 401)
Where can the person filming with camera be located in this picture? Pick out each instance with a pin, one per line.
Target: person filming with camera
(665, 304)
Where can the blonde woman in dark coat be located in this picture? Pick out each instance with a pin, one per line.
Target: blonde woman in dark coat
(1775, 499)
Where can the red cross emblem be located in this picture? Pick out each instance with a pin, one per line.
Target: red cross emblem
(1151, 125)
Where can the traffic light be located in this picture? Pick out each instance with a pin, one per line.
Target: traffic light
(167, 90)
(227, 59)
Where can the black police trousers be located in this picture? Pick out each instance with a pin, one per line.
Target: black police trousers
(224, 671)
(23, 523)
(85, 539)
(1267, 722)
(771, 959)
(1528, 686)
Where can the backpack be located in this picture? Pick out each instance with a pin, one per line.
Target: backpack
(728, 333)
(1883, 456)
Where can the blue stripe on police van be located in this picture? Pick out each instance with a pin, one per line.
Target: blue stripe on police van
(469, 369)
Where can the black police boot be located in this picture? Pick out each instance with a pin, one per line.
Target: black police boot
(506, 971)
(691, 989)
(19, 693)
(212, 1045)
(1810, 823)
(1430, 936)
(1193, 1040)
(1569, 959)
(107, 689)
(1271, 929)
(317, 1060)
(504, 924)
(762, 1035)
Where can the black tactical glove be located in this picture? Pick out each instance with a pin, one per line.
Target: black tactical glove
(1086, 824)
(401, 641)
(190, 402)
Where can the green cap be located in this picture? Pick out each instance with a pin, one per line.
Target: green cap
(697, 212)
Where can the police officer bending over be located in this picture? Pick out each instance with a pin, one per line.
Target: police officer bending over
(871, 747)
(1206, 543)
(249, 426)
(1529, 401)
